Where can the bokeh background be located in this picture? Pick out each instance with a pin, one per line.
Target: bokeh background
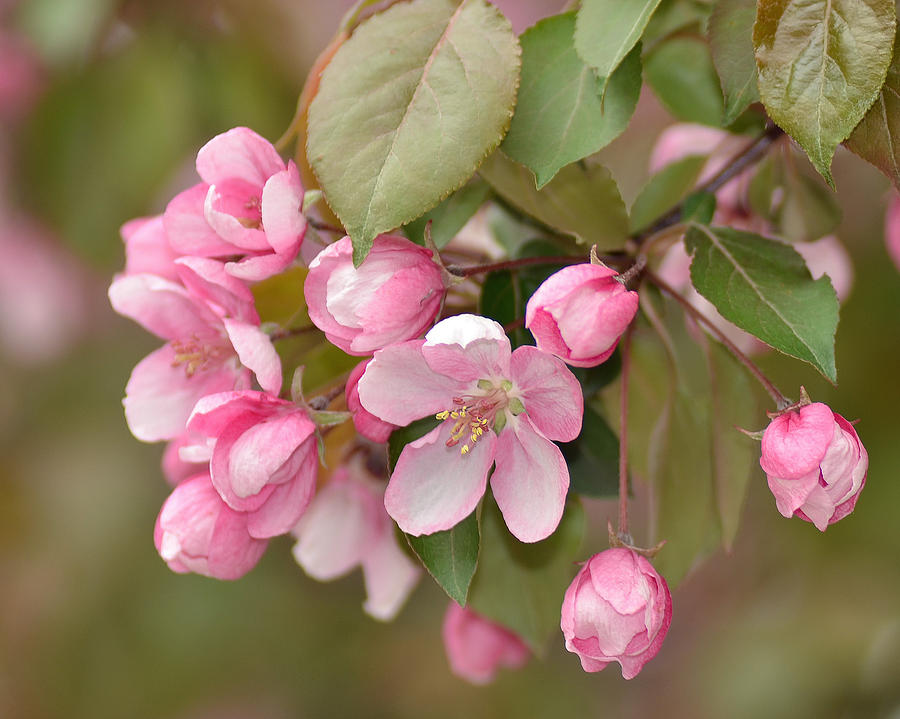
(103, 104)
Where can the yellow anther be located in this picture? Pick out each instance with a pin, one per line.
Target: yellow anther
(442, 415)
(464, 449)
(454, 414)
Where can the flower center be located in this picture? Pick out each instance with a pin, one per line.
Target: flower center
(196, 356)
(473, 414)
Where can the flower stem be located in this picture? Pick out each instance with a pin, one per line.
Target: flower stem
(623, 432)
(780, 400)
(286, 332)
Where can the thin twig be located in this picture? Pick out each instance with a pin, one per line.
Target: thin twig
(780, 400)
(525, 261)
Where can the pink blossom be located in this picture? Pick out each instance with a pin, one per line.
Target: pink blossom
(249, 204)
(393, 296)
(497, 407)
(617, 609)
(197, 532)
(43, 294)
(892, 229)
(214, 339)
(346, 527)
(366, 423)
(579, 313)
(264, 459)
(477, 647)
(815, 464)
(184, 456)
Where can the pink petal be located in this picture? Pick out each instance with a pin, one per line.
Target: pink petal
(795, 442)
(206, 279)
(238, 153)
(399, 387)
(288, 501)
(233, 551)
(257, 353)
(230, 228)
(530, 482)
(337, 530)
(790, 494)
(433, 486)
(161, 307)
(551, 394)
(187, 229)
(159, 396)
(389, 574)
(254, 268)
(147, 249)
(213, 413)
(282, 211)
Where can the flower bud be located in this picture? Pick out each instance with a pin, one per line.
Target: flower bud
(197, 532)
(892, 229)
(579, 313)
(815, 464)
(392, 297)
(617, 609)
(366, 423)
(264, 458)
(477, 647)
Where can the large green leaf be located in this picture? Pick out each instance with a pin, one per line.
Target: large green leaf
(876, 138)
(665, 190)
(449, 217)
(607, 30)
(681, 73)
(408, 108)
(584, 202)
(451, 556)
(730, 32)
(521, 586)
(764, 287)
(560, 115)
(821, 65)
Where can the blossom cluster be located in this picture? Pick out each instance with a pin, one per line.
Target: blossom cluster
(244, 451)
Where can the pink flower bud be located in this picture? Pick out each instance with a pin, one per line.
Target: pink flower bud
(617, 609)
(815, 464)
(579, 313)
(477, 648)
(366, 423)
(393, 296)
(197, 532)
(264, 459)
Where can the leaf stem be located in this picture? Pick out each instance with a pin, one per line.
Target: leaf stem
(780, 400)
(623, 432)
(750, 155)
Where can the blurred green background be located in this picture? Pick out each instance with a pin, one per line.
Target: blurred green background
(93, 624)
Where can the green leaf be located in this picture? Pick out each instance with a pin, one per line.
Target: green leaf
(699, 207)
(408, 108)
(404, 435)
(584, 202)
(665, 190)
(449, 217)
(681, 73)
(730, 33)
(734, 454)
(451, 556)
(593, 458)
(607, 30)
(808, 209)
(821, 65)
(876, 139)
(560, 115)
(521, 586)
(764, 287)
